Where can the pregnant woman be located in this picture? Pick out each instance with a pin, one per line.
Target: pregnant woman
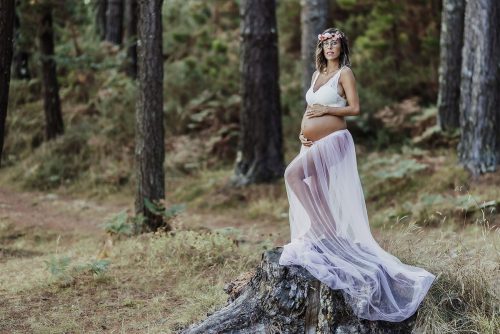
(330, 233)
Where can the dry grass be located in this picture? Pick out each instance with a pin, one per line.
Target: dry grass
(157, 283)
(465, 295)
(148, 278)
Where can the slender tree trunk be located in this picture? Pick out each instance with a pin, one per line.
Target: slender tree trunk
(260, 156)
(131, 36)
(52, 104)
(451, 41)
(100, 7)
(21, 65)
(114, 21)
(150, 147)
(7, 9)
(480, 87)
(20, 58)
(314, 17)
(396, 48)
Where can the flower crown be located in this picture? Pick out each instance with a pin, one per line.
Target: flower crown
(327, 35)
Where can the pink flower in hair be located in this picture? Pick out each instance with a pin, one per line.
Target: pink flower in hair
(324, 36)
(327, 35)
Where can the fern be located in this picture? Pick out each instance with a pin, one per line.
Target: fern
(58, 267)
(160, 210)
(400, 169)
(98, 267)
(119, 225)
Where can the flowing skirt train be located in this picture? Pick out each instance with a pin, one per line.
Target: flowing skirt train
(331, 237)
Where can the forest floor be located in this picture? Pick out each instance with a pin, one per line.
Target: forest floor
(61, 272)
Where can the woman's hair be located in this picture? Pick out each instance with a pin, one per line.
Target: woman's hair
(344, 60)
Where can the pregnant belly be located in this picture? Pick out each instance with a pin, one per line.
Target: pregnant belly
(316, 128)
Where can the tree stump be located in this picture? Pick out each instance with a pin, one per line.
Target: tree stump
(287, 299)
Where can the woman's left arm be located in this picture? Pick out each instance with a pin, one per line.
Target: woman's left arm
(351, 109)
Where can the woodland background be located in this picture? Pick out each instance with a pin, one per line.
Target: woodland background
(74, 255)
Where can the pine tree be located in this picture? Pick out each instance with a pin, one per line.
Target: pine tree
(452, 31)
(260, 153)
(7, 8)
(479, 149)
(150, 146)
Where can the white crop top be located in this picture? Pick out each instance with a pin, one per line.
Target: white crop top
(327, 94)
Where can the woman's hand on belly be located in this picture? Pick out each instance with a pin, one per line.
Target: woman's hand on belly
(316, 110)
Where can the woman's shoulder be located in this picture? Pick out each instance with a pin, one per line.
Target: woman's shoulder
(346, 69)
(347, 72)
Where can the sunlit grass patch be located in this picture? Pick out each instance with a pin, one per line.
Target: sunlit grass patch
(193, 266)
(465, 294)
(49, 258)
(193, 189)
(269, 210)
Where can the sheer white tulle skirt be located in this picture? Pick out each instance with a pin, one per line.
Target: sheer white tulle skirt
(331, 237)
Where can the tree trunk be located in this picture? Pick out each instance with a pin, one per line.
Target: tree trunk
(314, 17)
(260, 156)
(21, 65)
(114, 21)
(131, 37)
(451, 41)
(52, 104)
(396, 48)
(478, 148)
(7, 10)
(100, 7)
(287, 299)
(20, 58)
(150, 147)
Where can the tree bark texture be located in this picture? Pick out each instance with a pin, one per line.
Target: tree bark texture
(150, 147)
(20, 58)
(314, 17)
(100, 8)
(131, 36)
(479, 146)
(52, 104)
(7, 10)
(260, 152)
(450, 62)
(287, 299)
(114, 21)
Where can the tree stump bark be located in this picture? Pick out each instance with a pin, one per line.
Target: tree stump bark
(287, 299)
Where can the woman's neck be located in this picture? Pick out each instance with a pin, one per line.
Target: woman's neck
(332, 66)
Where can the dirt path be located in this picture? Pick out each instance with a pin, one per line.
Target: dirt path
(54, 212)
(76, 216)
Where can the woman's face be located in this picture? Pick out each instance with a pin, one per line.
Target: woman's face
(331, 48)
